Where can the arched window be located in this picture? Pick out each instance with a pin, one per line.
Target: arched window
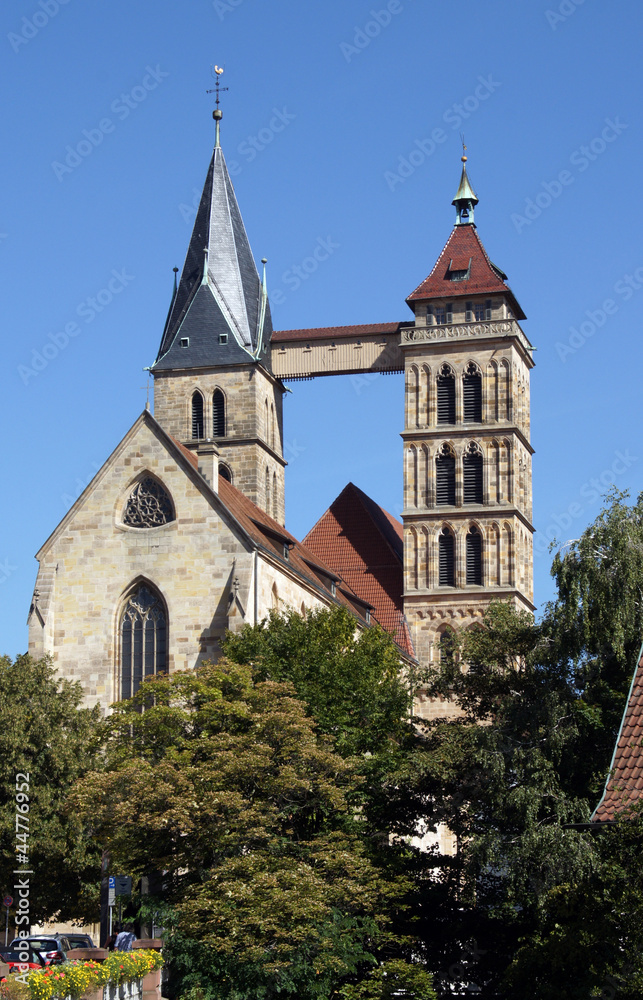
(218, 414)
(275, 512)
(148, 505)
(267, 490)
(272, 426)
(445, 476)
(446, 646)
(474, 556)
(446, 558)
(197, 415)
(224, 472)
(446, 395)
(143, 632)
(472, 395)
(472, 475)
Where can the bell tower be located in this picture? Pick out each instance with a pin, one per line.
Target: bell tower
(214, 390)
(467, 455)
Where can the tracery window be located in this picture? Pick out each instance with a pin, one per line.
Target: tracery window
(472, 475)
(445, 476)
(446, 395)
(143, 629)
(472, 395)
(148, 505)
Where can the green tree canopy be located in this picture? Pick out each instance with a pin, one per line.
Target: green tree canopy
(225, 784)
(45, 734)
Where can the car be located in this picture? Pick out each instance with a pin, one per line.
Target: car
(22, 954)
(52, 947)
(80, 941)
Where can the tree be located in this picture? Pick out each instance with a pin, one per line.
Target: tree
(541, 707)
(46, 736)
(224, 783)
(354, 687)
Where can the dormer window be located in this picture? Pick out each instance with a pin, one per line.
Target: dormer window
(185, 341)
(333, 588)
(223, 338)
(459, 268)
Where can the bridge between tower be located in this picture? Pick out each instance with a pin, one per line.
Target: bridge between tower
(338, 350)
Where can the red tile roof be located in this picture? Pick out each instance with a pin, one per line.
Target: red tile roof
(624, 785)
(272, 536)
(364, 545)
(336, 332)
(484, 278)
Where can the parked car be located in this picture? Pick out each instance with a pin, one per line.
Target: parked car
(15, 957)
(52, 947)
(80, 941)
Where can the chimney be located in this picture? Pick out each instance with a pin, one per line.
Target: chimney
(208, 456)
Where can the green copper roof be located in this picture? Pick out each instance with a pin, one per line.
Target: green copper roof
(465, 192)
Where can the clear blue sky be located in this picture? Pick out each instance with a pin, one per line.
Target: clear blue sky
(326, 103)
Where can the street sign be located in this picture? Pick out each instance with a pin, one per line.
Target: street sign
(122, 885)
(7, 901)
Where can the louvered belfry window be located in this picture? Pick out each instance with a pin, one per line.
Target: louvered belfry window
(218, 414)
(472, 475)
(446, 559)
(197, 415)
(474, 556)
(472, 395)
(445, 476)
(446, 395)
(143, 640)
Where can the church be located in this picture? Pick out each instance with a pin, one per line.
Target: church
(181, 534)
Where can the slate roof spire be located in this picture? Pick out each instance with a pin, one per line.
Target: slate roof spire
(220, 314)
(465, 199)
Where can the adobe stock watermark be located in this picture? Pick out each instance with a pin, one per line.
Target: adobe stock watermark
(7, 569)
(363, 37)
(249, 148)
(389, 356)
(597, 318)
(87, 310)
(565, 10)
(31, 26)
(223, 7)
(589, 494)
(581, 159)
(294, 276)
(454, 116)
(122, 107)
(292, 451)
(21, 886)
(80, 485)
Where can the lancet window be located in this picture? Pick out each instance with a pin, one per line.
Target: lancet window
(143, 632)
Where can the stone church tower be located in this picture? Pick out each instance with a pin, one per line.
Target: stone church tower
(180, 535)
(213, 386)
(467, 457)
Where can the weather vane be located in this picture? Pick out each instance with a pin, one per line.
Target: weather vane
(217, 114)
(464, 148)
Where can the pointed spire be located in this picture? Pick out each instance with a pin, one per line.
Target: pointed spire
(220, 312)
(465, 199)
